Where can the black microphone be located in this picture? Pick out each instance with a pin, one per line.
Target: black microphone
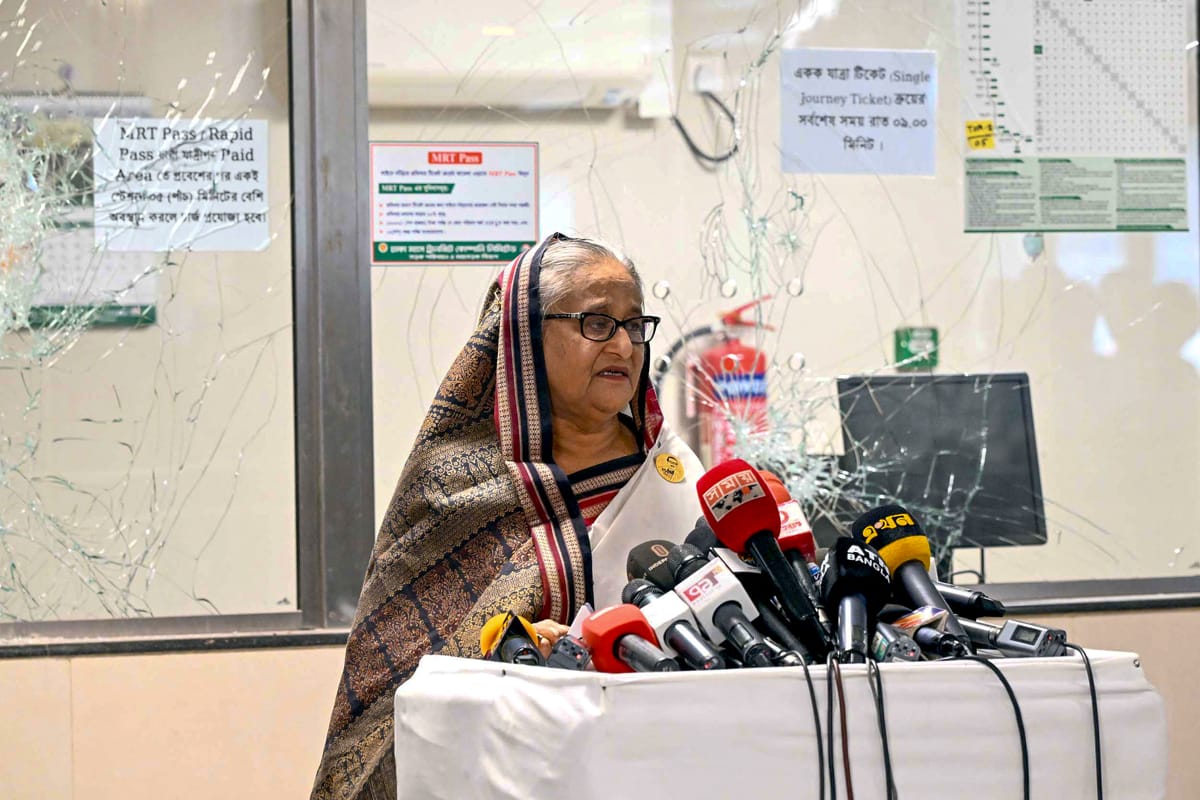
(672, 621)
(855, 583)
(719, 602)
(921, 624)
(970, 603)
(649, 561)
(898, 538)
(743, 514)
(1018, 639)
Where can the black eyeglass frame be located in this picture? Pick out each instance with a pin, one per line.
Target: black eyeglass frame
(616, 323)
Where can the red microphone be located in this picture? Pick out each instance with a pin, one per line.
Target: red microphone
(744, 516)
(621, 640)
(795, 534)
(796, 541)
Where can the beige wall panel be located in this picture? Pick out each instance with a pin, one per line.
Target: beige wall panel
(252, 723)
(1169, 644)
(188, 725)
(35, 729)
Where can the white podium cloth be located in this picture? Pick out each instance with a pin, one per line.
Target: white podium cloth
(481, 730)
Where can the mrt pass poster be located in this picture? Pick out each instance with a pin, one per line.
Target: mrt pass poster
(452, 202)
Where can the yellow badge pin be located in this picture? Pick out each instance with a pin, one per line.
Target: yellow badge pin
(670, 467)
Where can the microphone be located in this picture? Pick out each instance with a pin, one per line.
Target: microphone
(795, 534)
(969, 602)
(756, 584)
(924, 625)
(898, 538)
(891, 644)
(855, 583)
(735, 502)
(673, 626)
(649, 561)
(796, 540)
(510, 638)
(719, 602)
(569, 652)
(1017, 639)
(622, 641)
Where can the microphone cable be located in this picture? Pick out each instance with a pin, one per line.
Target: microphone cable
(875, 680)
(1016, 712)
(833, 675)
(775, 624)
(812, 696)
(1087, 667)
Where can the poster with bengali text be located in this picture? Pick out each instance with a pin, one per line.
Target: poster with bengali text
(865, 112)
(180, 184)
(452, 202)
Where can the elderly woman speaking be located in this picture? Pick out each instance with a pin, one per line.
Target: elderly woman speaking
(543, 459)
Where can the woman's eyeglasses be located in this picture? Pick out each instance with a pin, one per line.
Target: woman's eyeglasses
(598, 327)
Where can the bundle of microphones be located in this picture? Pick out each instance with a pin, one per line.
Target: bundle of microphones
(743, 591)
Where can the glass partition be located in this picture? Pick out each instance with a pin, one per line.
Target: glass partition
(739, 154)
(146, 394)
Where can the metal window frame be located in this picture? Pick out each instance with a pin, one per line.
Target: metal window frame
(332, 364)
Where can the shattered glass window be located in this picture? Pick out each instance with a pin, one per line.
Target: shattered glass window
(658, 127)
(146, 401)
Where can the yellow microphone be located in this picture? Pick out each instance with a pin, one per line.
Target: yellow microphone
(510, 638)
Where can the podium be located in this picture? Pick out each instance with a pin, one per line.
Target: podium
(483, 730)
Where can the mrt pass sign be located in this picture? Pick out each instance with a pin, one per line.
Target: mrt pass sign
(453, 202)
(730, 492)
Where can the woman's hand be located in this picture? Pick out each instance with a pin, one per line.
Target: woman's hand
(548, 632)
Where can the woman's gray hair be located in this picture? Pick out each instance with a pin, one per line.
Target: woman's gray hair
(562, 259)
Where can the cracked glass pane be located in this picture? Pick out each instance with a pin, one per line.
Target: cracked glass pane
(658, 126)
(146, 425)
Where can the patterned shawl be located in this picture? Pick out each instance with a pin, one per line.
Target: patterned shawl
(482, 521)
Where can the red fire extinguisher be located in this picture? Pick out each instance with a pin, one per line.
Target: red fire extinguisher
(728, 387)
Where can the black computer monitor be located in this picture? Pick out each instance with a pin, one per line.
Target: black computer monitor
(956, 450)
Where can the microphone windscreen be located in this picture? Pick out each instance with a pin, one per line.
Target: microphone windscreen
(680, 559)
(602, 630)
(895, 534)
(702, 537)
(736, 503)
(496, 628)
(636, 589)
(851, 568)
(649, 561)
(775, 486)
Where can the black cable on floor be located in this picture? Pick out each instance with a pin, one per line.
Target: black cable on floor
(1087, 667)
